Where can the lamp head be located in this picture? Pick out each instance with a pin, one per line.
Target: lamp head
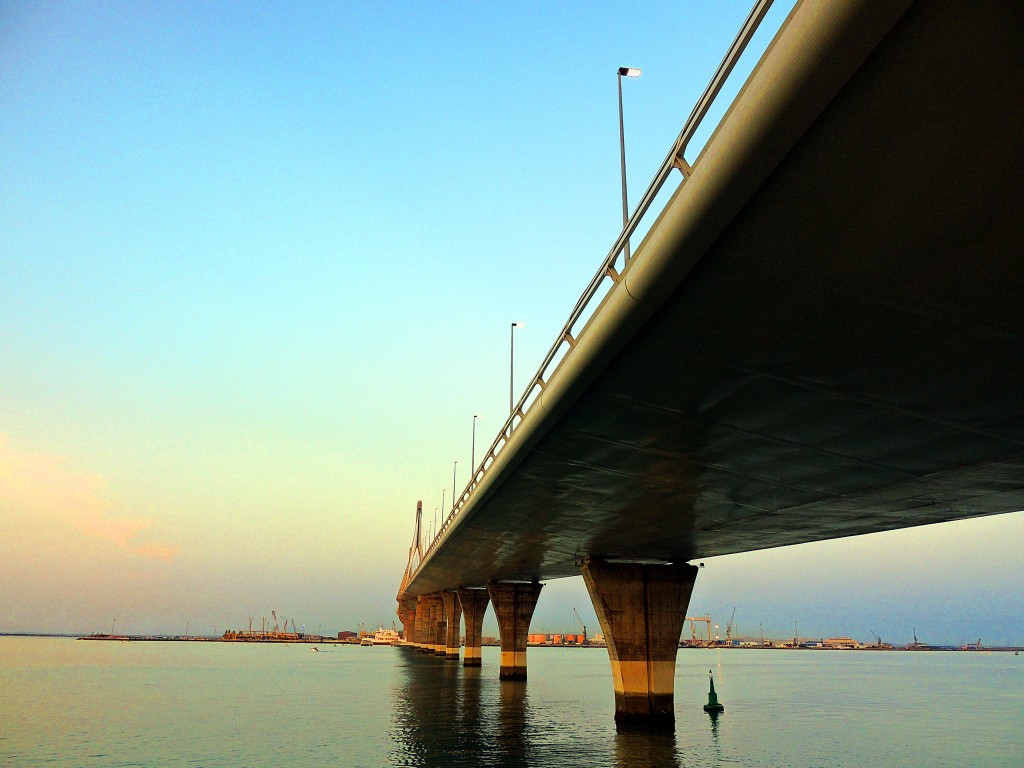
(629, 72)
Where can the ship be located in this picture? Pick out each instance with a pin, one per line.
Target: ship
(386, 637)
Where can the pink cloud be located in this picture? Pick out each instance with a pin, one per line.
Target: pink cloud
(53, 487)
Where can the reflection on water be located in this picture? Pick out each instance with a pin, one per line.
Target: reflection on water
(716, 745)
(513, 724)
(714, 724)
(449, 715)
(468, 721)
(644, 748)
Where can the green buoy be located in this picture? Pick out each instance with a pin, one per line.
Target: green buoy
(713, 705)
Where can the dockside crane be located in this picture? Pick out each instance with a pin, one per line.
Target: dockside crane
(693, 628)
(728, 627)
(581, 624)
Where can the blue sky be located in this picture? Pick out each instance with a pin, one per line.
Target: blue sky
(259, 263)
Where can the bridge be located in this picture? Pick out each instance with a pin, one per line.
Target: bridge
(821, 335)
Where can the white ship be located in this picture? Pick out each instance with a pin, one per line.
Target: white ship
(386, 637)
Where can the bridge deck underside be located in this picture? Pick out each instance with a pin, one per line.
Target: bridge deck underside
(847, 357)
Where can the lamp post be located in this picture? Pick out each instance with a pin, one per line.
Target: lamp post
(454, 470)
(511, 361)
(472, 452)
(624, 72)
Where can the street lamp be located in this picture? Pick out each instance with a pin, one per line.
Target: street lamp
(472, 454)
(624, 72)
(454, 470)
(512, 360)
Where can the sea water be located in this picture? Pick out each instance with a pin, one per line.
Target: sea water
(66, 702)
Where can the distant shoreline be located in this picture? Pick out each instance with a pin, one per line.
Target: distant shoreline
(333, 641)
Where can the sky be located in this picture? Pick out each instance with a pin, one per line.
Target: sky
(258, 265)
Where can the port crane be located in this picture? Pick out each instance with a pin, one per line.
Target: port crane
(693, 627)
(581, 624)
(728, 627)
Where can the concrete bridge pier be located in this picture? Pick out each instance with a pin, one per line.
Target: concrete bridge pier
(419, 635)
(641, 609)
(452, 620)
(513, 607)
(407, 615)
(474, 605)
(428, 630)
(437, 624)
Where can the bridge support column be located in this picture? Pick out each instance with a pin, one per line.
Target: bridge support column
(513, 607)
(407, 615)
(437, 638)
(420, 623)
(428, 632)
(474, 604)
(641, 609)
(453, 620)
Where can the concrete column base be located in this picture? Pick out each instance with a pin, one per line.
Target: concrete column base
(437, 624)
(427, 628)
(513, 607)
(453, 621)
(641, 609)
(420, 622)
(474, 605)
(407, 615)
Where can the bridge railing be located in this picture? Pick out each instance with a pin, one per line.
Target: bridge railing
(610, 269)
